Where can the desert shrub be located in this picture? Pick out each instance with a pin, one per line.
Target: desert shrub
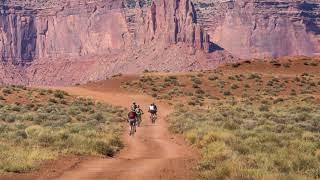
(60, 94)
(195, 86)
(167, 79)
(234, 86)
(286, 65)
(104, 148)
(293, 92)
(197, 81)
(231, 78)
(32, 132)
(238, 139)
(6, 90)
(227, 93)
(254, 76)
(173, 77)
(53, 100)
(235, 65)
(213, 77)
(314, 64)
(200, 91)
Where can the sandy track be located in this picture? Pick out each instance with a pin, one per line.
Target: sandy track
(153, 153)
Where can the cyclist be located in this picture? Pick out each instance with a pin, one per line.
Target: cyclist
(139, 113)
(153, 108)
(134, 106)
(132, 119)
(153, 112)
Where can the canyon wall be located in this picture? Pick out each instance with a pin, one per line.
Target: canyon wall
(83, 28)
(64, 42)
(69, 41)
(262, 28)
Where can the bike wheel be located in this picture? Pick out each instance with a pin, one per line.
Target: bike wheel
(139, 122)
(131, 130)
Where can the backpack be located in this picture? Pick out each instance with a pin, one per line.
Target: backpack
(132, 115)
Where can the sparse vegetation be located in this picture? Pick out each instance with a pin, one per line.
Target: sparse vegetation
(256, 124)
(233, 82)
(242, 140)
(42, 124)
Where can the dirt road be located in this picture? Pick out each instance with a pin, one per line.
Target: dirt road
(153, 153)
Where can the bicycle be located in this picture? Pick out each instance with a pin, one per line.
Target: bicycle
(138, 121)
(132, 127)
(153, 118)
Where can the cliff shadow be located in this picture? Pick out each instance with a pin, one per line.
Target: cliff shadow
(214, 47)
(306, 6)
(28, 40)
(311, 26)
(310, 18)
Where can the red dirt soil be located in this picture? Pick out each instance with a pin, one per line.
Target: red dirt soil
(153, 153)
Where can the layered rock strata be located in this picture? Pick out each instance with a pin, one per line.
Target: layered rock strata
(63, 42)
(262, 28)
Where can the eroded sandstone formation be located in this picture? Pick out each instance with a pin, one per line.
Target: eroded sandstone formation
(94, 29)
(68, 41)
(262, 28)
(63, 42)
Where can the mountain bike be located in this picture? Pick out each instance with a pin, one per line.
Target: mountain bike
(153, 118)
(133, 129)
(138, 120)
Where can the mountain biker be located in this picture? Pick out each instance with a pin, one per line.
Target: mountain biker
(139, 113)
(153, 109)
(134, 106)
(132, 118)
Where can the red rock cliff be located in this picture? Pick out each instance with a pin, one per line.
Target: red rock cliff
(63, 42)
(262, 28)
(94, 28)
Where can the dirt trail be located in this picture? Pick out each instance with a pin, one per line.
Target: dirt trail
(153, 153)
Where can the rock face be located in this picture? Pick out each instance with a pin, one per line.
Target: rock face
(63, 42)
(94, 29)
(264, 28)
(68, 41)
